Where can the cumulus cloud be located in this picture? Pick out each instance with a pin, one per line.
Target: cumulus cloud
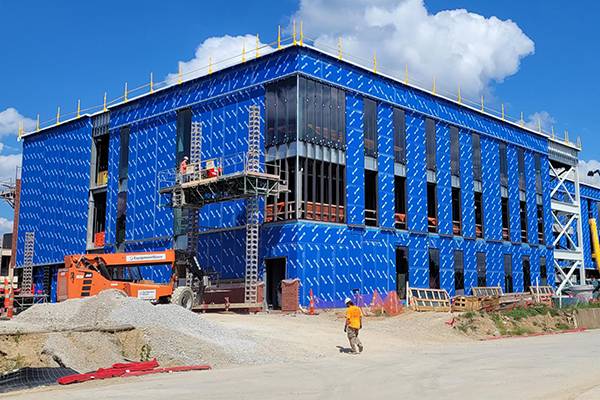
(224, 51)
(584, 167)
(10, 119)
(5, 226)
(456, 46)
(8, 166)
(542, 118)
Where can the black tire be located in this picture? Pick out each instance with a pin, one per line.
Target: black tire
(183, 296)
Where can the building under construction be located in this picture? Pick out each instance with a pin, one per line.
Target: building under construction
(383, 184)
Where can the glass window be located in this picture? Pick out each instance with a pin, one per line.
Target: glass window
(281, 111)
(99, 217)
(538, 173)
(434, 269)
(526, 274)
(400, 202)
(183, 133)
(503, 165)
(521, 168)
(459, 273)
(481, 270)
(523, 217)
(399, 136)
(478, 215)
(370, 198)
(505, 219)
(430, 143)
(454, 152)
(432, 223)
(508, 281)
(456, 212)
(476, 157)
(370, 127)
(543, 272)
(121, 216)
(540, 218)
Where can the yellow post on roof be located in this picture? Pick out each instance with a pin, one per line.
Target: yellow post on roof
(406, 74)
(502, 111)
(294, 33)
(37, 123)
(209, 65)
(301, 34)
(375, 62)
(257, 46)
(539, 124)
(459, 98)
(78, 108)
(151, 83)
(522, 121)
(433, 90)
(482, 107)
(58, 115)
(104, 106)
(340, 48)
(552, 131)
(125, 93)
(244, 52)
(278, 37)
(179, 74)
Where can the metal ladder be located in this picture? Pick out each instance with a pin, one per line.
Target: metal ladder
(192, 229)
(252, 209)
(27, 283)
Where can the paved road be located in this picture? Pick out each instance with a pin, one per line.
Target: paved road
(550, 367)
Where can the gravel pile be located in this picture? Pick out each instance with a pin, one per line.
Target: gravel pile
(172, 332)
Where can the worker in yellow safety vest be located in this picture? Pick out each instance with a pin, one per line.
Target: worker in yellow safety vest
(353, 325)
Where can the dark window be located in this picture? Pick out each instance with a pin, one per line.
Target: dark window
(526, 274)
(321, 185)
(540, 218)
(402, 272)
(124, 154)
(120, 233)
(478, 215)
(505, 219)
(459, 273)
(399, 136)
(476, 157)
(523, 217)
(481, 270)
(430, 143)
(281, 111)
(322, 113)
(400, 202)
(538, 173)
(508, 281)
(543, 272)
(454, 152)
(121, 215)
(503, 165)
(434, 269)
(456, 212)
(432, 223)
(370, 198)
(521, 168)
(101, 151)
(183, 133)
(99, 222)
(370, 127)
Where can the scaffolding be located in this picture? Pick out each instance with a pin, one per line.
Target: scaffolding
(233, 177)
(8, 190)
(27, 281)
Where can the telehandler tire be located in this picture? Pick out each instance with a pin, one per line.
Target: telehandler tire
(183, 296)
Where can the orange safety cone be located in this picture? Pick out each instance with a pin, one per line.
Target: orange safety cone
(311, 305)
(376, 303)
(391, 304)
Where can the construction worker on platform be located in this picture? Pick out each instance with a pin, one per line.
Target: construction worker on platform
(183, 168)
(353, 325)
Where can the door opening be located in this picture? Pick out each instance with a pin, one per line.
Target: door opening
(275, 269)
(401, 271)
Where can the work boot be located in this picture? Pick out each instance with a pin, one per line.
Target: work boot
(360, 348)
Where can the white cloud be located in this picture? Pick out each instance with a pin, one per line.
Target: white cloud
(10, 119)
(224, 51)
(8, 165)
(584, 167)
(542, 118)
(456, 46)
(5, 226)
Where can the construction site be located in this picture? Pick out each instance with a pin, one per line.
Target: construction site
(225, 221)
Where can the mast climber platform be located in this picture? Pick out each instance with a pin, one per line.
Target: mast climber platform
(239, 176)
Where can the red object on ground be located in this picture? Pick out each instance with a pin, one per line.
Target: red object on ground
(115, 370)
(376, 306)
(311, 306)
(391, 304)
(182, 368)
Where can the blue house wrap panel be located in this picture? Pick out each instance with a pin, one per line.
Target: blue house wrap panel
(495, 264)
(546, 204)
(114, 145)
(517, 268)
(54, 195)
(385, 166)
(444, 181)
(587, 251)
(418, 258)
(470, 264)
(355, 161)
(513, 194)
(492, 210)
(416, 174)
(466, 183)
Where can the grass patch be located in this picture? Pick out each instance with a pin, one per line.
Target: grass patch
(562, 326)
(470, 314)
(519, 313)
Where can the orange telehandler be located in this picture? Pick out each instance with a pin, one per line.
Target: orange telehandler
(88, 274)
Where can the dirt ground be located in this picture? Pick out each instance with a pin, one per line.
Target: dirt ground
(413, 356)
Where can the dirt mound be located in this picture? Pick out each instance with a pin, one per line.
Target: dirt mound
(85, 334)
(517, 322)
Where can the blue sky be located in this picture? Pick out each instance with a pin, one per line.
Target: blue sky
(53, 53)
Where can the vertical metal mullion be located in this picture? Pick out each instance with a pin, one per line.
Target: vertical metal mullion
(322, 184)
(329, 193)
(305, 188)
(286, 195)
(314, 185)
